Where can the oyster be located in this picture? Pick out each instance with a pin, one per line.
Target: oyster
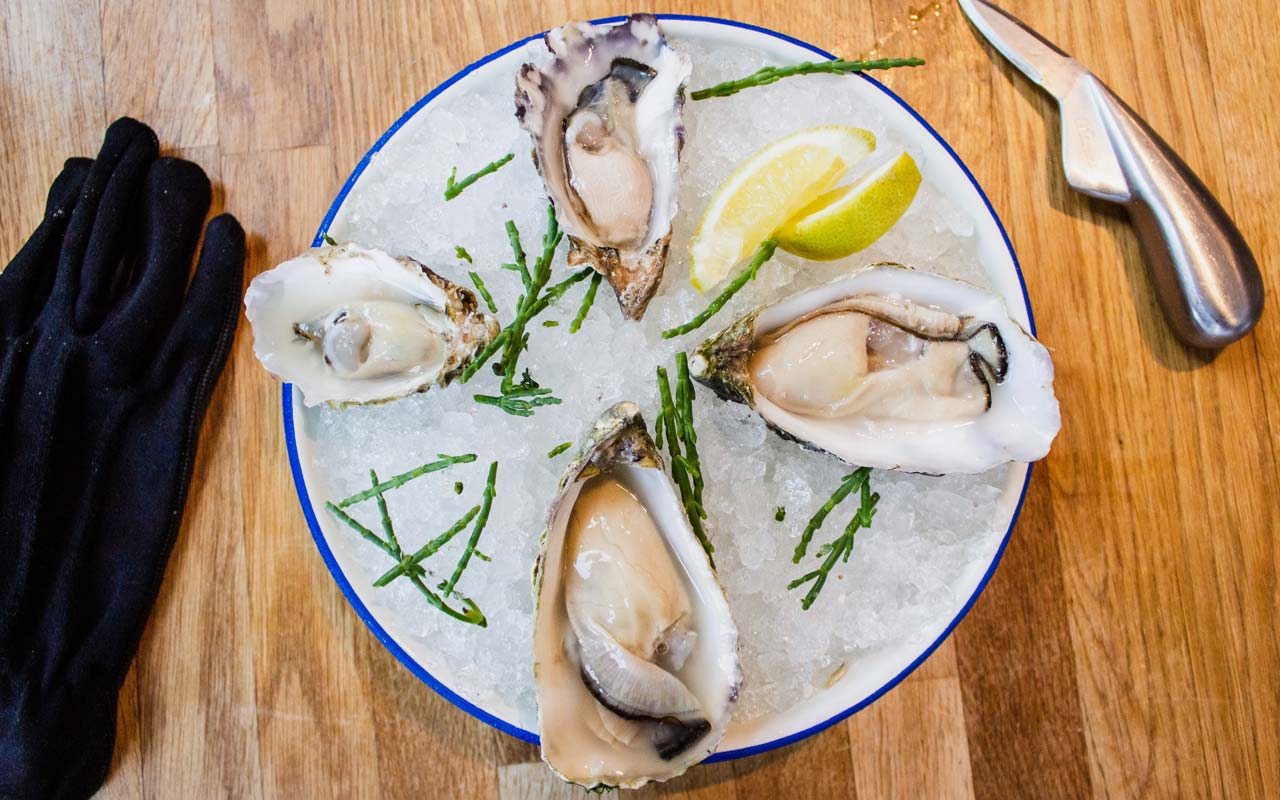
(352, 325)
(891, 368)
(605, 117)
(635, 652)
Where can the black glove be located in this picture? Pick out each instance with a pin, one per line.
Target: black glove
(107, 361)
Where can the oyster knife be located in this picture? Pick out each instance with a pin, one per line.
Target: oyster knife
(1205, 276)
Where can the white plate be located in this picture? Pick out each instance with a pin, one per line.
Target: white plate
(876, 674)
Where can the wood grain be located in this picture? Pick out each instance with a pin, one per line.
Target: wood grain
(1126, 647)
(924, 719)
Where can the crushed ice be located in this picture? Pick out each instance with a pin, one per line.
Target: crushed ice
(904, 574)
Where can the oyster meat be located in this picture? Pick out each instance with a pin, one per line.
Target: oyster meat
(891, 368)
(605, 117)
(635, 651)
(351, 325)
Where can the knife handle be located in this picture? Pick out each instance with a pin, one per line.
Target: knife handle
(1205, 276)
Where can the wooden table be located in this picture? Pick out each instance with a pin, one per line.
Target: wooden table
(1127, 645)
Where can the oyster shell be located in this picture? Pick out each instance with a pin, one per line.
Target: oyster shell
(635, 651)
(891, 368)
(353, 325)
(605, 117)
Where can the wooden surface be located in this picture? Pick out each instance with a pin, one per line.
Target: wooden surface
(1127, 645)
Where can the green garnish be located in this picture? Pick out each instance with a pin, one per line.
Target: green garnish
(483, 557)
(410, 563)
(357, 527)
(558, 449)
(557, 291)
(763, 253)
(404, 477)
(457, 487)
(551, 323)
(534, 281)
(485, 355)
(780, 513)
(484, 291)
(387, 528)
(461, 253)
(767, 75)
(411, 567)
(485, 505)
(684, 427)
(513, 235)
(839, 549)
(676, 418)
(521, 398)
(521, 402)
(453, 187)
(850, 482)
(329, 240)
(587, 300)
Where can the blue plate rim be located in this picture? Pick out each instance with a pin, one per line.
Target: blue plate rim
(399, 652)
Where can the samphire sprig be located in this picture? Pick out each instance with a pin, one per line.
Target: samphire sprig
(675, 425)
(685, 430)
(410, 563)
(411, 566)
(534, 281)
(522, 397)
(484, 291)
(763, 253)
(485, 505)
(587, 299)
(443, 462)
(839, 549)
(454, 187)
(554, 293)
(767, 75)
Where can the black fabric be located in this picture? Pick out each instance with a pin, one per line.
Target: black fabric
(107, 360)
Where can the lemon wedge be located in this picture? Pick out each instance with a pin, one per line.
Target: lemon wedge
(851, 218)
(766, 191)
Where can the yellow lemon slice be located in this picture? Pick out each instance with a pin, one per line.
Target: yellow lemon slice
(851, 218)
(768, 189)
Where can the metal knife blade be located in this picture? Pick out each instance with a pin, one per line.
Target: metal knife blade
(1088, 158)
(1038, 58)
(1206, 277)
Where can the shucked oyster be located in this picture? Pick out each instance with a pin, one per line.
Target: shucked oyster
(635, 652)
(347, 324)
(891, 368)
(605, 119)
